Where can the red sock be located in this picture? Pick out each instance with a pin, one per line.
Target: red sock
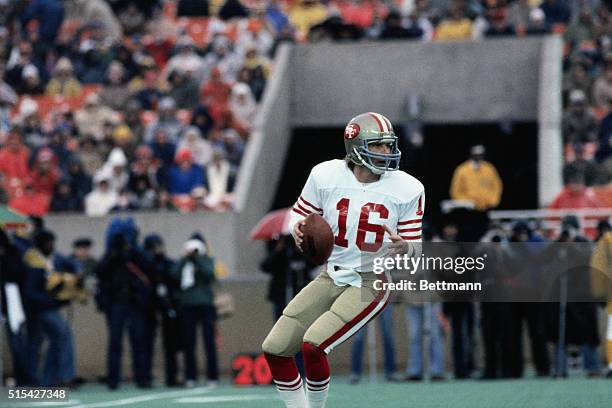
(315, 362)
(284, 371)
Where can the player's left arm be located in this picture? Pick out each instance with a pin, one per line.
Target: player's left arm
(407, 237)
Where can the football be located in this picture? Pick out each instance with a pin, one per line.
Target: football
(318, 240)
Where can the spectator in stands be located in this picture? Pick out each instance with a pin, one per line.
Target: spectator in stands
(216, 92)
(145, 167)
(80, 181)
(419, 27)
(186, 176)
(20, 57)
(455, 27)
(116, 170)
(602, 89)
(498, 25)
(63, 81)
(233, 145)
(167, 120)
(149, 95)
(14, 157)
(45, 174)
(91, 118)
(393, 28)
(8, 98)
(232, 9)
(223, 57)
(276, 17)
(580, 165)
(202, 119)
(115, 93)
(243, 105)
(305, 14)
(537, 23)
(31, 127)
(196, 273)
(582, 29)
(604, 168)
(64, 200)
(221, 177)
(102, 199)
(44, 319)
(186, 61)
(575, 195)
(518, 15)
(132, 19)
(57, 142)
(95, 13)
(579, 122)
(30, 202)
(578, 78)
(91, 64)
(31, 83)
(201, 149)
(90, 154)
(254, 61)
(183, 89)
(49, 14)
(556, 12)
(163, 149)
(124, 295)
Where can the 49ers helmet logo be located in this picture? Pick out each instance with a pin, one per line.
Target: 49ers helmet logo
(351, 131)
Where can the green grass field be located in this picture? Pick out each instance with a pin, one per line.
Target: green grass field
(531, 393)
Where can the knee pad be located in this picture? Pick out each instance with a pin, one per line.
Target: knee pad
(285, 338)
(327, 325)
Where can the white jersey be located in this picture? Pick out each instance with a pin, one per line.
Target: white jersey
(357, 211)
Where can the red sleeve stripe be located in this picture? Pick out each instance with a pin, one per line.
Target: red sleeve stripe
(411, 238)
(295, 210)
(415, 221)
(409, 230)
(310, 205)
(305, 210)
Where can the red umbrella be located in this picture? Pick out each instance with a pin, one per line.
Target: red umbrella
(272, 226)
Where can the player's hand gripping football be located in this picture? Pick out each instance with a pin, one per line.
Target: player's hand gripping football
(398, 245)
(298, 235)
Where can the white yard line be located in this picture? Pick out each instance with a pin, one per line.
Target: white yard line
(145, 398)
(227, 398)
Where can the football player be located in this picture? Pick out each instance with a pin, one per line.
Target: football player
(367, 201)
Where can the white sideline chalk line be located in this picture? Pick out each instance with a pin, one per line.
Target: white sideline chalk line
(44, 403)
(226, 398)
(144, 398)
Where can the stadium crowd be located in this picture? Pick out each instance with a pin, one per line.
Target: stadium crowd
(123, 105)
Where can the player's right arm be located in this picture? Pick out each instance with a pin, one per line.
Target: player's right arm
(307, 203)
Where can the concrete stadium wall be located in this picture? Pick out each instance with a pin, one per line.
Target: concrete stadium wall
(459, 82)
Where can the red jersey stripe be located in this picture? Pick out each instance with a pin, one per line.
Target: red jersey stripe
(303, 209)
(295, 210)
(310, 205)
(414, 221)
(411, 238)
(409, 230)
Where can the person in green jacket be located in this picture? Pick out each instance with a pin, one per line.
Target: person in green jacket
(196, 273)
